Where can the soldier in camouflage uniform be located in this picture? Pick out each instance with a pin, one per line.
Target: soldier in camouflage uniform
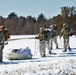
(65, 32)
(53, 37)
(2, 41)
(41, 42)
(46, 33)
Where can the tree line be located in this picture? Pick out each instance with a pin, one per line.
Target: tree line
(30, 25)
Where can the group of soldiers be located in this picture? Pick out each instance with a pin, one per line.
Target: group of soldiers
(49, 35)
(45, 36)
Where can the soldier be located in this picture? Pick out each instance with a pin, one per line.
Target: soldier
(55, 30)
(41, 42)
(53, 37)
(2, 41)
(46, 33)
(65, 32)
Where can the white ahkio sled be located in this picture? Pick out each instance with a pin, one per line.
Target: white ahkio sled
(20, 54)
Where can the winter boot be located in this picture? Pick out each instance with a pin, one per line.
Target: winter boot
(49, 52)
(69, 49)
(43, 56)
(64, 50)
(51, 48)
(56, 47)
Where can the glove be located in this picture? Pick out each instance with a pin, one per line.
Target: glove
(36, 37)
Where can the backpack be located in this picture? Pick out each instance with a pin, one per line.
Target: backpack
(53, 33)
(70, 31)
(6, 33)
(46, 34)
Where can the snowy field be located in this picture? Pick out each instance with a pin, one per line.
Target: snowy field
(58, 64)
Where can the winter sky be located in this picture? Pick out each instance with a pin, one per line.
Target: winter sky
(34, 8)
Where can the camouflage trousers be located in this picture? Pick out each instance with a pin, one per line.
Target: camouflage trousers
(53, 39)
(66, 43)
(42, 48)
(1, 52)
(47, 45)
(1, 55)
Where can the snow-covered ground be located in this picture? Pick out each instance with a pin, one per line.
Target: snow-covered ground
(49, 65)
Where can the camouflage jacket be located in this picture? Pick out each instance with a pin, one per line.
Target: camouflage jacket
(65, 33)
(2, 38)
(53, 33)
(41, 36)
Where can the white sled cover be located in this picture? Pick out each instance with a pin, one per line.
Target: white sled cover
(21, 53)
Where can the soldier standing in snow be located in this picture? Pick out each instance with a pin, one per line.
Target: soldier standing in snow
(65, 32)
(53, 37)
(55, 28)
(47, 38)
(2, 41)
(41, 42)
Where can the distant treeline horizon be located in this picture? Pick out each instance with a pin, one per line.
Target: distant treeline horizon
(30, 25)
